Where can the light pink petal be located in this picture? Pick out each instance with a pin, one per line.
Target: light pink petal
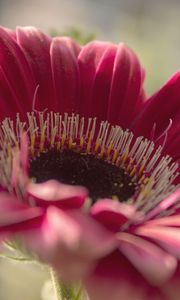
(71, 242)
(167, 98)
(79, 233)
(14, 215)
(154, 264)
(16, 80)
(112, 214)
(166, 237)
(164, 205)
(96, 64)
(55, 193)
(126, 94)
(173, 221)
(65, 73)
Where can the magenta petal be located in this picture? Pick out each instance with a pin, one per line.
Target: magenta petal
(52, 192)
(65, 72)
(95, 63)
(126, 88)
(168, 97)
(147, 258)
(112, 214)
(166, 237)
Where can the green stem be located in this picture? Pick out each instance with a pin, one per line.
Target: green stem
(56, 285)
(62, 292)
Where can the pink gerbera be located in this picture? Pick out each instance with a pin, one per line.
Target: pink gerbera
(89, 167)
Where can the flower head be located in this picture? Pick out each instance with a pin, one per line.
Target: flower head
(89, 166)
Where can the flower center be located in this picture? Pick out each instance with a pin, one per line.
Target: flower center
(106, 159)
(102, 179)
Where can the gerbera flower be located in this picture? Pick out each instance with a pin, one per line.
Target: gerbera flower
(89, 166)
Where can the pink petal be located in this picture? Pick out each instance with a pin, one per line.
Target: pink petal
(16, 80)
(166, 237)
(153, 263)
(65, 73)
(14, 213)
(71, 242)
(173, 220)
(95, 63)
(55, 193)
(112, 214)
(126, 87)
(79, 233)
(168, 97)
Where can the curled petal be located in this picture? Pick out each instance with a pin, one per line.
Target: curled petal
(112, 214)
(52, 192)
(147, 258)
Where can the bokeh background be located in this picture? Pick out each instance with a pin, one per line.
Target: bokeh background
(151, 28)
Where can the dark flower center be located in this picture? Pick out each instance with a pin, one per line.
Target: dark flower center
(101, 178)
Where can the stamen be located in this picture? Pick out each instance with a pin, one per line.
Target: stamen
(139, 158)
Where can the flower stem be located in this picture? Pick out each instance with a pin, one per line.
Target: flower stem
(62, 292)
(56, 285)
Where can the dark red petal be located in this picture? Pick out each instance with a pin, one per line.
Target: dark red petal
(65, 72)
(16, 81)
(95, 63)
(112, 80)
(126, 93)
(115, 278)
(159, 109)
(36, 47)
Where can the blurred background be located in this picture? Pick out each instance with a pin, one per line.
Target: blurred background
(151, 28)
